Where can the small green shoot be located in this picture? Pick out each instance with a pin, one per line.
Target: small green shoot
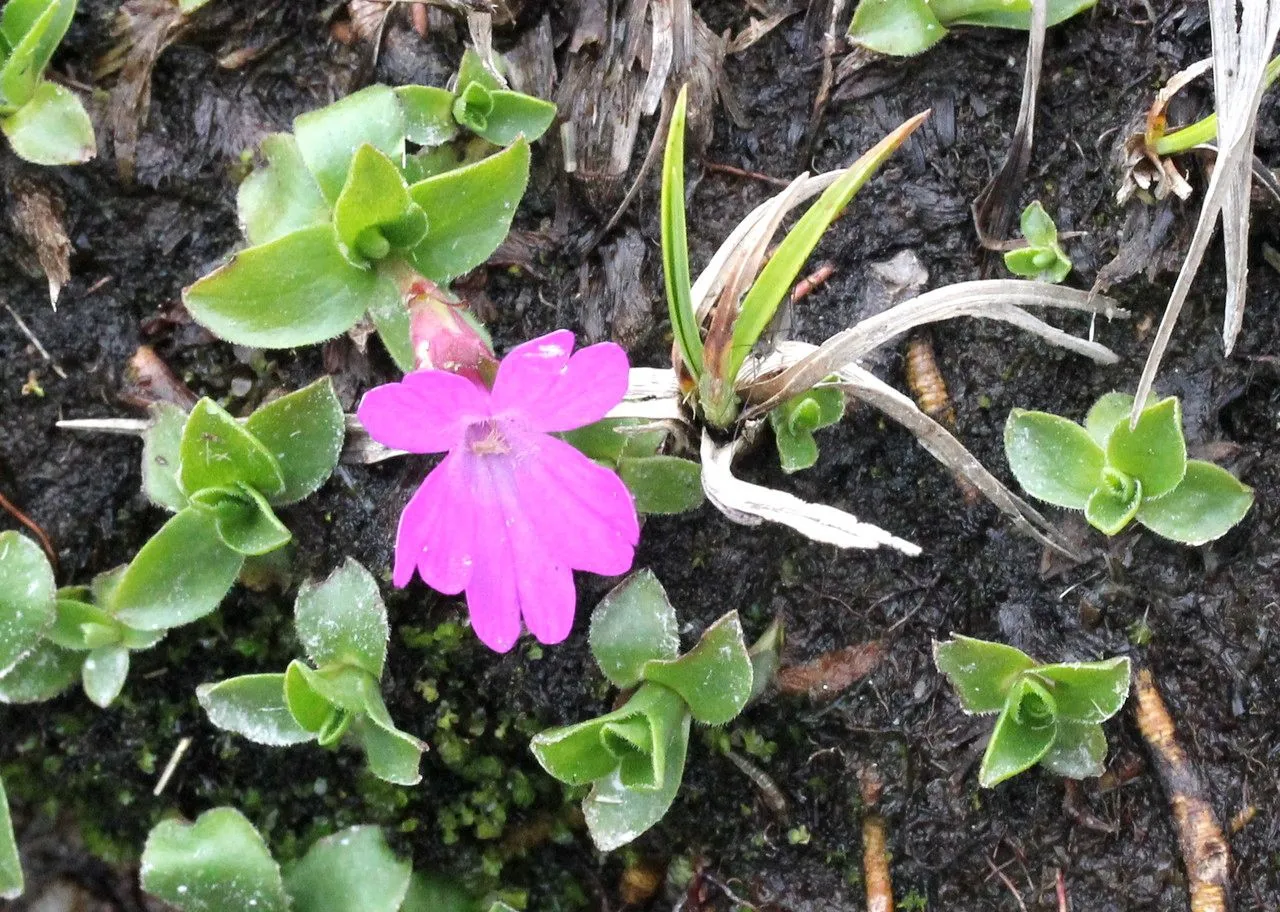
(634, 757)
(904, 28)
(1048, 714)
(1201, 132)
(342, 625)
(659, 483)
(11, 882)
(1116, 474)
(795, 421)
(1043, 259)
(45, 123)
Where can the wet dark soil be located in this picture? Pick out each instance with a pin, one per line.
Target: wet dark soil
(1202, 619)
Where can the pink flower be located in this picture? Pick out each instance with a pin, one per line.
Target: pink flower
(511, 511)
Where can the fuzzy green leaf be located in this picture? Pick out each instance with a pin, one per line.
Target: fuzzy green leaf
(374, 209)
(309, 708)
(104, 672)
(633, 624)
(472, 107)
(217, 451)
(1014, 15)
(1106, 414)
(180, 575)
(663, 484)
(1040, 264)
(391, 319)
(162, 455)
(244, 520)
(613, 438)
(675, 243)
(428, 114)
(1078, 750)
(344, 686)
(77, 623)
(1038, 227)
(253, 706)
(52, 128)
(469, 210)
(27, 598)
(328, 138)
(41, 675)
(473, 69)
(1208, 502)
(1088, 691)
(766, 658)
(342, 620)
(1053, 459)
(353, 871)
(1016, 745)
(393, 755)
(982, 672)
(433, 893)
(714, 677)
(512, 115)
(1112, 507)
(900, 28)
(1154, 452)
(216, 864)
(11, 883)
(296, 290)
(304, 432)
(32, 30)
(280, 197)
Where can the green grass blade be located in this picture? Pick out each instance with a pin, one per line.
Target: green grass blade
(675, 243)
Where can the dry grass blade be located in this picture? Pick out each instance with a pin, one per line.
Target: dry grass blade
(36, 210)
(999, 299)
(751, 505)
(1240, 55)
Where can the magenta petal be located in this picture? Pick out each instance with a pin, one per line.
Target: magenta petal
(493, 598)
(583, 513)
(556, 392)
(437, 530)
(424, 413)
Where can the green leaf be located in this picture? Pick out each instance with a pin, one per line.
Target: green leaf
(180, 575)
(675, 243)
(374, 203)
(1154, 452)
(714, 677)
(1113, 504)
(1106, 415)
(796, 452)
(900, 28)
(342, 621)
(433, 893)
(104, 672)
(512, 115)
(1088, 691)
(662, 484)
(309, 708)
(216, 451)
(32, 28)
(296, 290)
(328, 138)
(1053, 459)
(766, 657)
(1018, 15)
(1078, 750)
(41, 675)
(27, 597)
(11, 883)
(1015, 746)
(393, 755)
(253, 706)
(281, 197)
(472, 106)
(982, 672)
(391, 318)
(1038, 227)
(1208, 502)
(216, 864)
(428, 114)
(795, 421)
(473, 69)
(609, 440)
(162, 455)
(344, 686)
(304, 432)
(469, 210)
(243, 519)
(632, 625)
(1040, 264)
(52, 128)
(73, 617)
(351, 871)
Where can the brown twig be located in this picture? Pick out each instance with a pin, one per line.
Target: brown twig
(1004, 879)
(813, 281)
(35, 529)
(1204, 848)
(875, 848)
(722, 168)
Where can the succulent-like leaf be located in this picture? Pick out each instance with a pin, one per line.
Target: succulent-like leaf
(329, 137)
(633, 625)
(982, 672)
(77, 622)
(342, 620)
(353, 871)
(253, 706)
(1088, 691)
(52, 128)
(1111, 507)
(472, 107)
(1017, 14)
(675, 243)
(41, 675)
(27, 598)
(31, 30)
(1208, 502)
(393, 755)
(900, 28)
(1078, 750)
(613, 438)
(795, 421)
(1154, 452)
(179, 575)
(1037, 226)
(1106, 414)
(469, 210)
(11, 883)
(304, 431)
(433, 893)
(714, 677)
(162, 455)
(1016, 745)
(308, 706)
(244, 520)
(280, 197)
(103, 674)
(216, 864)
(217, 452)
(1053, 459)
(391, 318)
(513, 114)
(373, 213)
(662, 484)
(295, 290)
(344, 686)
(428, 114)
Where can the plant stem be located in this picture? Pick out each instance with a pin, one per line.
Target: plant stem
(1206, 129)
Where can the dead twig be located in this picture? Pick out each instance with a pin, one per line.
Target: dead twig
(875, 844)
(35, 340)
(1004, 879)
(31, 524)
(721, 168)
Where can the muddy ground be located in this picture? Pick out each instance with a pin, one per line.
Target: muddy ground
(82, 780)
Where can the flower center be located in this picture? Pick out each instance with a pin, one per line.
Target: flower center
(485, 438)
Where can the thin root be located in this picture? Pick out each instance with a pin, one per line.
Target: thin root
(31, 524)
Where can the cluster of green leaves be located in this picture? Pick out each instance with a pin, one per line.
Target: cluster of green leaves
(713, 363)
(1048, 714)
(634, 757)
(44, 122)
(365, 197)
(1116, 473)
(795, 421)
(1043, 258)
(11, 882)
(222, 478)
(342, 625)
(659, 483)
(904, 28)
(221, 862)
